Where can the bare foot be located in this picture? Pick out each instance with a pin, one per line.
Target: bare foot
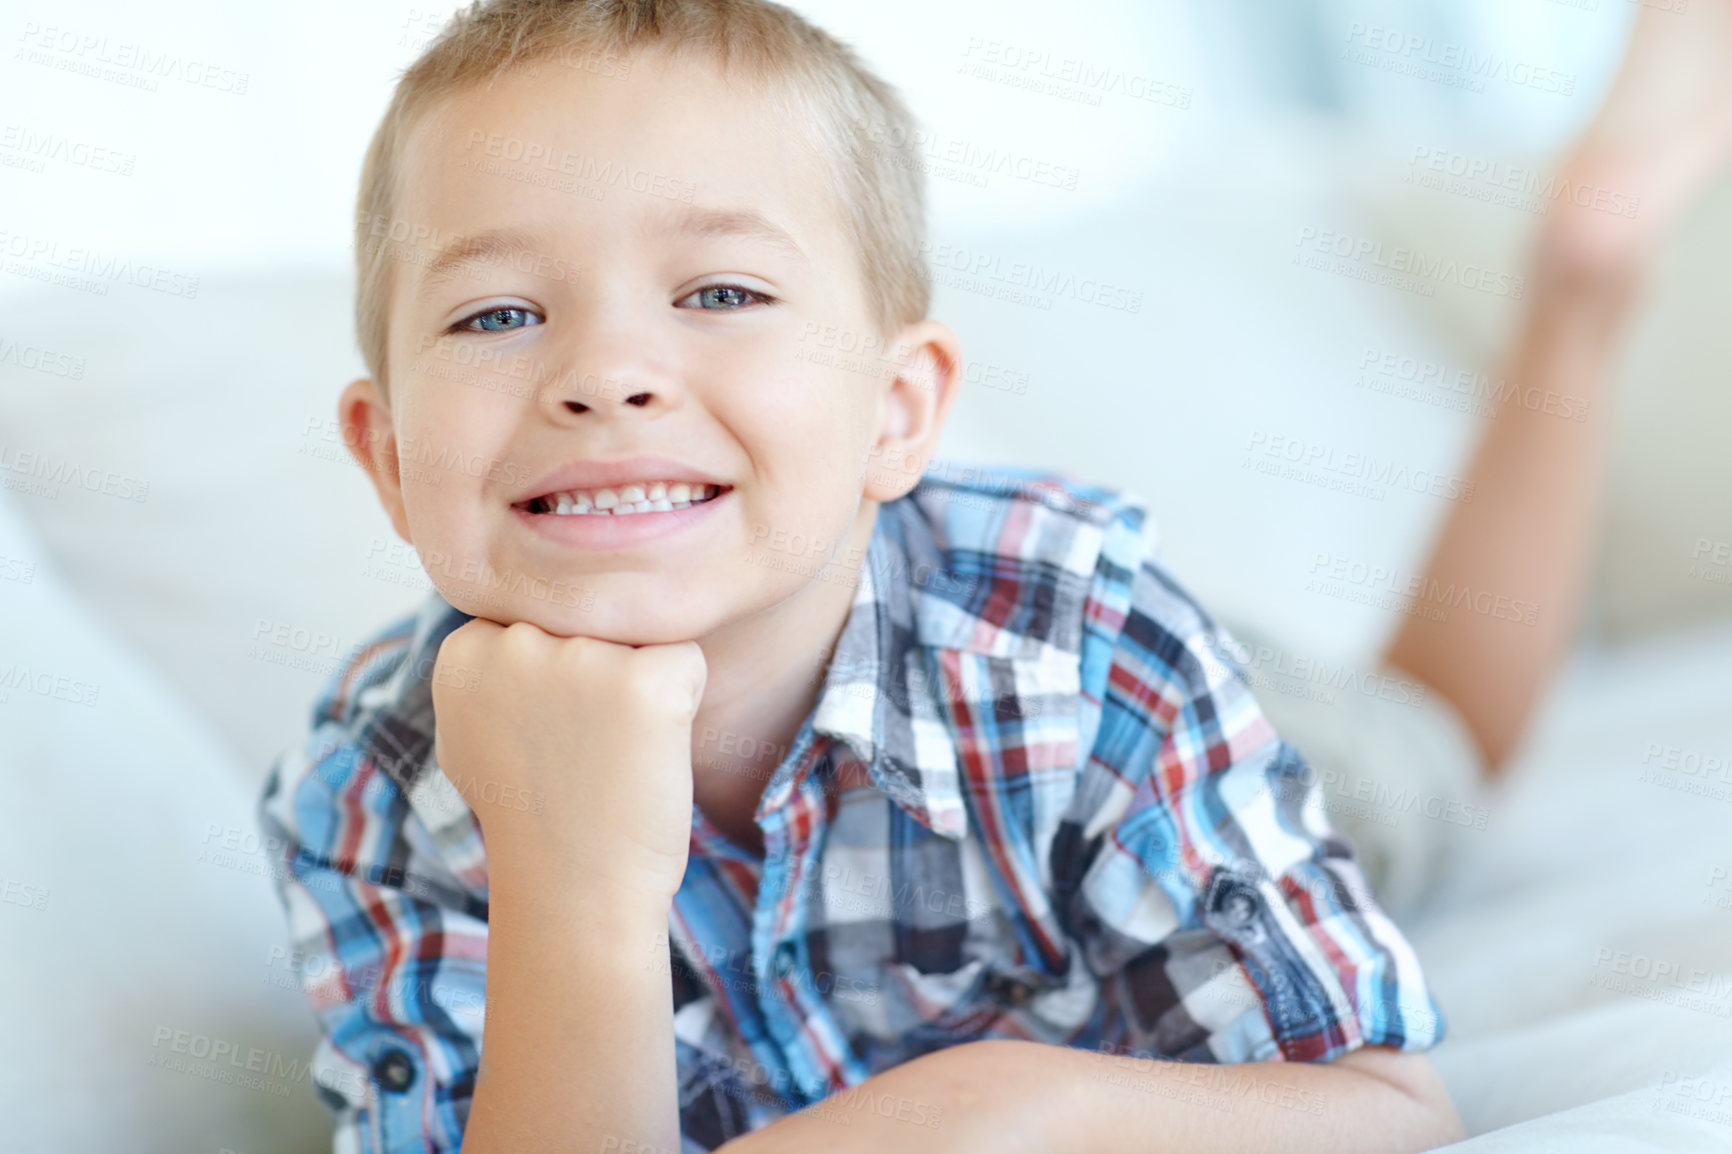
(1664, 130)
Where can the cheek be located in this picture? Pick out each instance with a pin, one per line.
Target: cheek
(448, 448)
(436, 522)
(812, 422)
(805, 436)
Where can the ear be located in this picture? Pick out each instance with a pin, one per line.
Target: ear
(365, 417)
(912, 409)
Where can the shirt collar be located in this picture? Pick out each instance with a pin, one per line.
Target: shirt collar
(881, 692)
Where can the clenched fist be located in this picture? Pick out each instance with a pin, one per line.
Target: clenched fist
(599, 732)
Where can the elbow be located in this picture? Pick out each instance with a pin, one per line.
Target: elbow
(1419, 1114)
(1430, 1120)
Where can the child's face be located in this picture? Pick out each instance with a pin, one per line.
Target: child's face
(617, 315)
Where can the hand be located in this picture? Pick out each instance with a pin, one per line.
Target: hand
(597, 733)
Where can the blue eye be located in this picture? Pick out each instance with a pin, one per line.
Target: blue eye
(726, 297)
(498, 320)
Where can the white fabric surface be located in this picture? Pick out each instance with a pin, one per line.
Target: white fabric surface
(1587, 868)
(108, 807)
(1669, 1117)
(255, 523)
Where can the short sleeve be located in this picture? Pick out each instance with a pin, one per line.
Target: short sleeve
(390, 947)
(1400, 773)
(1224, 917)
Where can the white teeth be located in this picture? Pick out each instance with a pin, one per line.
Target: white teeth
(655, 497)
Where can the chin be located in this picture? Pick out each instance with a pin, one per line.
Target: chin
(644, 624)
(641, 624)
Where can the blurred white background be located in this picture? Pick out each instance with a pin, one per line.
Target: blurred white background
(231, 180)
(146, 148)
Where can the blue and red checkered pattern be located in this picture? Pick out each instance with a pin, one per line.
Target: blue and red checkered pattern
(1035, 799)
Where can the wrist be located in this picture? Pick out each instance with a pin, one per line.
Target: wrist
(554, 889)
(619, 861)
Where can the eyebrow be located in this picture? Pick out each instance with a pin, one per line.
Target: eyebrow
(496, 244)
(719, 222)
(482, 247)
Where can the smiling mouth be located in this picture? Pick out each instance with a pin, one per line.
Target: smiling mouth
(624, 500)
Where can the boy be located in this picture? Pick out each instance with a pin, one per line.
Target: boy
(929, 795)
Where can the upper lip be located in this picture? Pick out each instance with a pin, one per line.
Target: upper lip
(613, 474)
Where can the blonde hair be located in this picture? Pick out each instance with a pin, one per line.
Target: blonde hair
(866, 131)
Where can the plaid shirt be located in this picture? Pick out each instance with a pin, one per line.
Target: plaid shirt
(1035, 800)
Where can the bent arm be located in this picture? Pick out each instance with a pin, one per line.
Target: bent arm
(1004, 1097)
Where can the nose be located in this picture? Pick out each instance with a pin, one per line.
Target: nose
(605, 366)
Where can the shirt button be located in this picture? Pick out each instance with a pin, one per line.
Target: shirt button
(1008, 989)
(394, 1071)
(1240, 908)
(784, 961)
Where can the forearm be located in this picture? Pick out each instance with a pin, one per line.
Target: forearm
(578, 1047)
(1524, 538)
(1007, 1097)
(970, 1097)
(1139, 1106)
